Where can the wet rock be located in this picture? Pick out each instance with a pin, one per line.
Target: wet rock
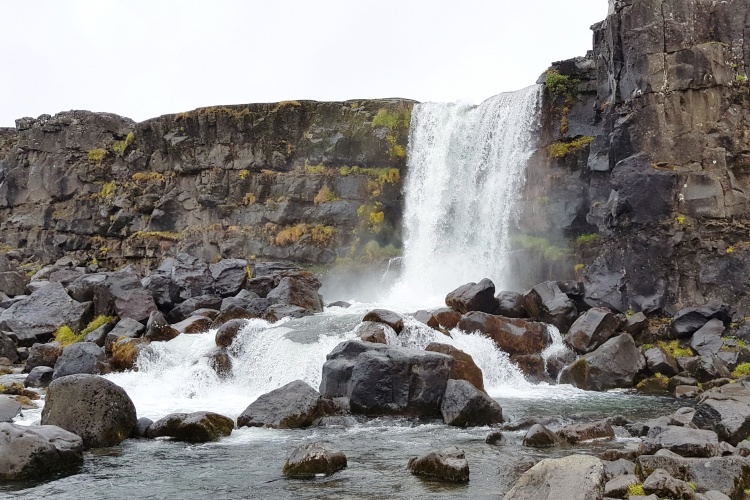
(220, 362)
(464, 405)
(618, 486)
(654, 385)
(546, 302)
(186, 308)
(8, 349)
(463, 368)
(291, 406)
(125, 352)
(514, 336)
(235, 312)
(165, 292)
(37, 452)
(538, 436)
(427, 318)
(340, 303)
(447, 318)
(726, 411)
(591, 330)
(686, 391)
(307, 461)
(158, 329)
(708, 368)
(532, 366)
(140, 430)
(614, 364)
(81, 357)
(226, 334)
(689, 320)
(658, 361)
(298, 292)
(635, 323)
(707, 340)
(125, 328)
(9, 408)
(390, 318)
(683, 441)
(473, 297)
(576, 477)
(577, 433)
(261, 285)
(681, 380)
(660, 483)
(278, 311)
(369, 331)
(37, 317)
(628, 453)
(43, 355)
(337, 370)
(193, 324)
(448, 464)
(510, 305)
(92, 407)
(229, 276)
(197, 427)
(495, 437)
(39, 376)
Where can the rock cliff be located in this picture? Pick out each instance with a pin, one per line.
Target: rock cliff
(645, 169)
(305, 181)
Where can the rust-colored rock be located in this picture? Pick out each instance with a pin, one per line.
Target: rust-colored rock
(464, 367)
(514, 336)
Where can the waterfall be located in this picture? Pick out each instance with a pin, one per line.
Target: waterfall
(466, 168)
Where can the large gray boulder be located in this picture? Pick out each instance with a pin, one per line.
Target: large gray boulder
(390, 318)
(298, 291)
(464, 405)
(576, 477)
(684, 441)
(663, 485)
(9, 408)
(118, 294)
(291, 406)
(658, 361)
(97, 410)
(448, 464)
(514, 336)
(43, 355)
(577, 433)
(689, 320)
(164, 291)
(196, 427)
(473, 297)
(37, 452)
(726, 411)
(81, 357)
(614, 364)
(464, 367)
(37, 317)
(547, 302)
(307, 461)
(8, 349)
(591, 330)
(229, 276)
(538, 436)
(191, 275)
(39, 376)
(707, 340)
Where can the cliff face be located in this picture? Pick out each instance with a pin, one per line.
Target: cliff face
(646, 168)
(306, 181)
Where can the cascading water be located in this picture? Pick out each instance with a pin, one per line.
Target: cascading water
(466, 168)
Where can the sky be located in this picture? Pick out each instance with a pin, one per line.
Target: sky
(145, 58)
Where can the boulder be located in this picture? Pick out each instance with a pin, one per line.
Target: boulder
(114, 294)
(165, 292)
(92, 407)
(229, 276)
(614, 364)
(427, 318)
(577, 433)
(620, 466)
(575, 477)
(708, 368)
(38, 316)
(546, 302)
(661, 484)
(495, 437)
(193, 324)
(261, 285)
(186, 308)
(291, 406)
(618, 487)
(13, 283)
(448, 464)
(635, 323)
(125, 352)
(81, 357)
(158, 329)
(683, 441)
(370, 331)
(140, 430)
(689, 320)
(196, 427)
(463, 368)
(658, 361)
(298, 291)
(514, 336)
(8, 349)
(726, 411)
(532, 366)
(127, 328)
(9, 408)
(37, 452)
(307, 461)
(39, 376)
(191, 276)
(473, 297)
(277, 312)
(220, 362)
(390, 318)
(464, 405)
(538, 436)
(337, 370)
(226, 334)
(447, 318)
(510, 305)
(707, 339)
(236, 312)
(43, 355)
(591, 330)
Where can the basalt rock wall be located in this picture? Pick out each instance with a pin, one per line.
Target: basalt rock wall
(300, 180)
(644, 176)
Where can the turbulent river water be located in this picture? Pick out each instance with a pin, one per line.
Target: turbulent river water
(465, 166)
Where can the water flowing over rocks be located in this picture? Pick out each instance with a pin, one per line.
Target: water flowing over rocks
(514, 336)
(463, 368)
(198, 427)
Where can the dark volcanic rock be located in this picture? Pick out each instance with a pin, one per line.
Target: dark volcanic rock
(614, 364)
(464, 405)
(726, 411)
(447, 318)
(226, 334)
(43, 355)
(192, 276)
(39, 376)
(538, 436)
(118, 294)
(158, 329)
(663, 485)
(591, 329)
(369, 331)
(448, 464)
(659, 361)
(197, 427)
(193, 324)
(390, 318)
(288, 407)
(37, 452)
(81, 357)
(9, 408)
(464, 367)
(690, 320)
(514, 336)
(229, 276)
(92, 407)
(684, 441)
(473, 297)
(186, 308)
(220, 362)
(427, 318)
(309, 460)
(298, 291)
(707, 340)
(546, 302)
(8, 349)
(164, 291)
(510, 305)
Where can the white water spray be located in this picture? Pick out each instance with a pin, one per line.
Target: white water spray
(466, 169)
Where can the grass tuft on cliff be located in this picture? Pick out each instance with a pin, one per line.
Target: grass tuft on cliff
(560, 85)
(562, 149)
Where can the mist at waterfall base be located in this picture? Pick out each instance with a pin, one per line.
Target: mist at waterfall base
(465, 168)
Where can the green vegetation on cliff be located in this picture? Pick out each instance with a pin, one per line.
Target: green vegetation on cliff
(560, 85)
(561, 149)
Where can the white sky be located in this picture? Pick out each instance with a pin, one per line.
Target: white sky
(144, 58)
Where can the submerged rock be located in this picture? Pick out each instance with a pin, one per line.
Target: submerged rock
(197, 427)
(464, 367)
(576, 477)
(514, 336)
(291, 406)
(307, 461)
(37, 452)
(390, 318)
(466, 406)
(576, 433)
(448, 464)
(538, 436)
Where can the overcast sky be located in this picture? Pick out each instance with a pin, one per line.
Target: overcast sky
(144, 58)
